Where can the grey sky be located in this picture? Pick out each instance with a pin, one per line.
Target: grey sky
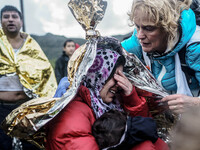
(54, 16)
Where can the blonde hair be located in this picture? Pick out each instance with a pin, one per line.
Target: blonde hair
(164, 13)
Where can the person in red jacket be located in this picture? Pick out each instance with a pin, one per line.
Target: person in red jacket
(105, 87)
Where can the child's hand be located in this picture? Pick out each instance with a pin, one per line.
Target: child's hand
(123, 83)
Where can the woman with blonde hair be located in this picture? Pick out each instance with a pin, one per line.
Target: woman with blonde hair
(167, 39)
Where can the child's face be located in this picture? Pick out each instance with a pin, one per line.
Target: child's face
(69, 48)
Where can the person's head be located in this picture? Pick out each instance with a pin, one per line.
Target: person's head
(110, 88)
(99, 79)
(69, 47)
(11, 19)
(101, 74)
(109, 128)
(156, 22)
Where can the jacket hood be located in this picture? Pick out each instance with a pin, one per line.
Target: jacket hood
(84, 95)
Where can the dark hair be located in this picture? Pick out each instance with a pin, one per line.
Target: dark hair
(110, 43)
(120, 61)
(67, 41)
(10, 8)
(126, 37)
(109, 128)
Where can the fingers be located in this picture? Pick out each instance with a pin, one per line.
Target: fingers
(127, 90)
(176, 99)
(176, 102)
(178, 109)
(173, 107)
(171, 97)
(120, 77)
(121, 74)
(123, 82)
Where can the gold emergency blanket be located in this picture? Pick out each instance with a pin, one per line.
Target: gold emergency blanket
(28, 120)
(30, 64)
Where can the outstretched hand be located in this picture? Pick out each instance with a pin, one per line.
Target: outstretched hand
(179, 103)
(123, 82)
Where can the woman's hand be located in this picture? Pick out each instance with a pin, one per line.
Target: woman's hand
(179, 103)
(123, 82)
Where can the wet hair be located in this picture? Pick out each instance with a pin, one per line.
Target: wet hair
(164, 13)
(110, 43)
(67, 41)
(109, 128)
(10, 8)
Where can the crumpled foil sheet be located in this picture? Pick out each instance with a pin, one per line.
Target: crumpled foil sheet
(28, 120)
(88, 13)
(23, 121)
(140, 76)
(39, 79)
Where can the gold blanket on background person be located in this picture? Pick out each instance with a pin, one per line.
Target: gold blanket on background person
(30, 64)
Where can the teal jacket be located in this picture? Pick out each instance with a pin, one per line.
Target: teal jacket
(189, 39)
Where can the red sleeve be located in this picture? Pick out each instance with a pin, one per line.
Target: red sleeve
(71, 129)
(135, 105)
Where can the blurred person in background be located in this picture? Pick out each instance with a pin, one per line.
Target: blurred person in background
(69, 47)
(25, 72)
